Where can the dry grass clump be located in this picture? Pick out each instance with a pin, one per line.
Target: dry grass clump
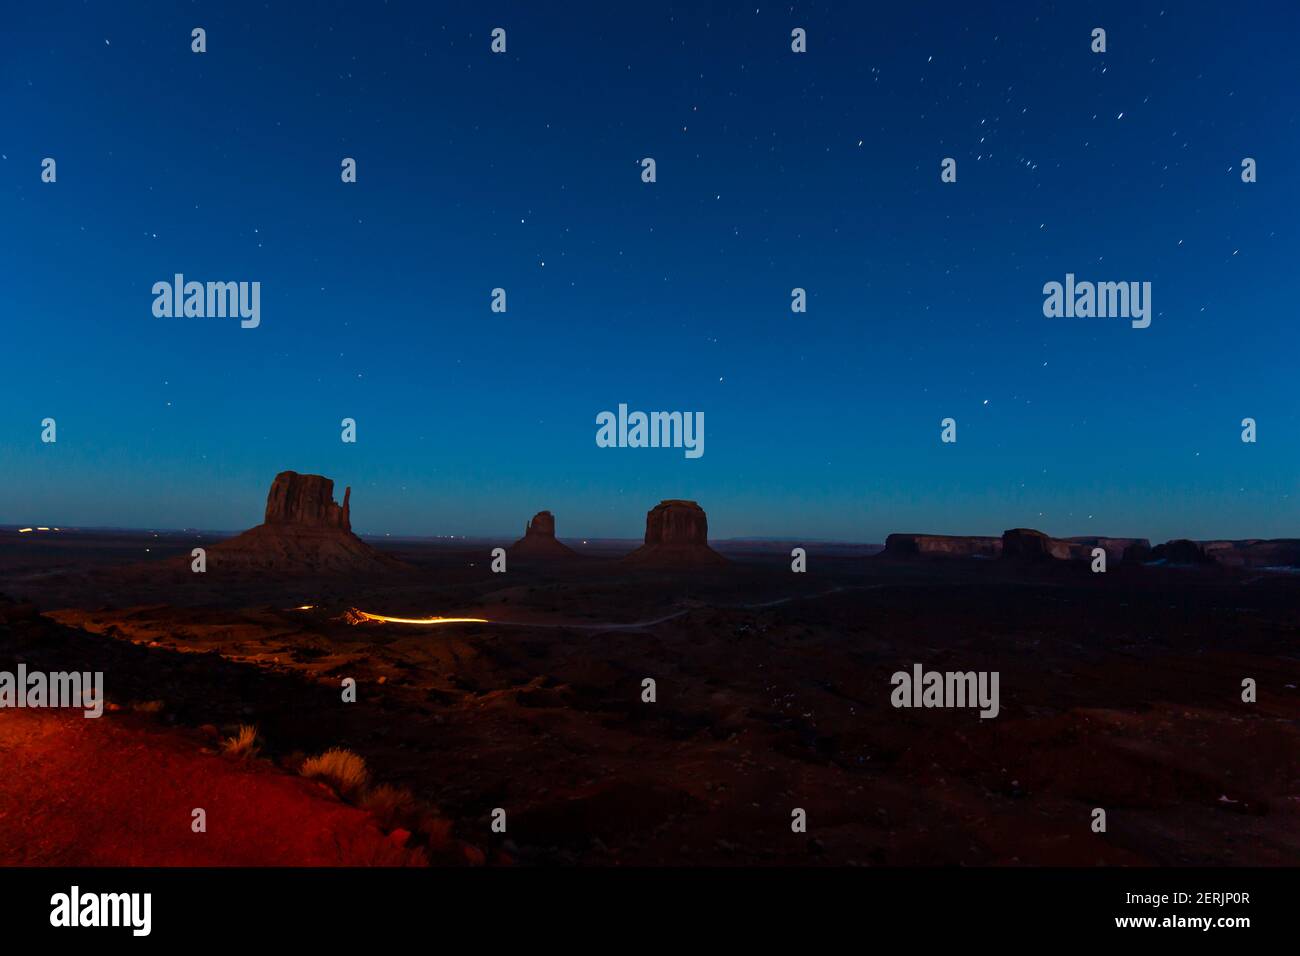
(341, 769)
(392, 807)
(243, 745)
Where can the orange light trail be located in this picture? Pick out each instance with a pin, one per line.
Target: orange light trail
(360, 616)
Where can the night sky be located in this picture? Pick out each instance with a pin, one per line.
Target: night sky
(775, 170)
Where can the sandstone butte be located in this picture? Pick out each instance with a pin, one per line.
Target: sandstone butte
(304, 530)
(676, 536)
(539, 540)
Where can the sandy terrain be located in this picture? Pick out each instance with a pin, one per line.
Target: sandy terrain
(118, 791)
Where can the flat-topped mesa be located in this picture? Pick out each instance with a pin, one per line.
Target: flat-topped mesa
(676, 522)
(539, 540)
(1026, 544)
(307, 501)
(1244, 553)
(676, 536)
(1017, 544)
(906, 545)
(1117, 549)
(1181, 551)
(1254, 552)
(1138, 553)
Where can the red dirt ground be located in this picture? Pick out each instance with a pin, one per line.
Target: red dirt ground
(115, 791)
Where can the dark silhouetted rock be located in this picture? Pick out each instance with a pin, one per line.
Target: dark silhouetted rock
(1138, 552)
(1115, 548)
(676, 536)
(676, 522)
(543, 524)
(306, 501)
(1255, 552)
(305, 531)
(1026, 544)
(902, 545)
(1181, 551)
(539, 540)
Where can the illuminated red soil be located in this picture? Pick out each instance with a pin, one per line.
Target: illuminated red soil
(116, 791)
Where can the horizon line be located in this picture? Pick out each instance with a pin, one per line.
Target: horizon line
(21, 528)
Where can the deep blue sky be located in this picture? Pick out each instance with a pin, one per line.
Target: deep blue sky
(775, 170)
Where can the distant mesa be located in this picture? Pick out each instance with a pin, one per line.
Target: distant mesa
(1026, 544)
(304, 531)
(1017, 544)
(1117, 549)
(539, 540)
(904, 545)
(1181, 551)
(676, 536)
(1255, 552)
(1245, 553)
(1138, 553)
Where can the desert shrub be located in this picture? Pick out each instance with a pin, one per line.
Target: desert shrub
(390, 806)
(341, 769)
(243, 745)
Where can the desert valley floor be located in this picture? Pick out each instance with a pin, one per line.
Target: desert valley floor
(1120, 691)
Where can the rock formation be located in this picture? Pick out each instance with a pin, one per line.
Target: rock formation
(539, 540)
(1023, 544)
(941, 545)
(1117, 549)
(304, 531)
(1138, 552)
(1181, 551)
(1244, 553)
(306, 501)
(1026, 544)
(1255, 552)
(676, 536)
